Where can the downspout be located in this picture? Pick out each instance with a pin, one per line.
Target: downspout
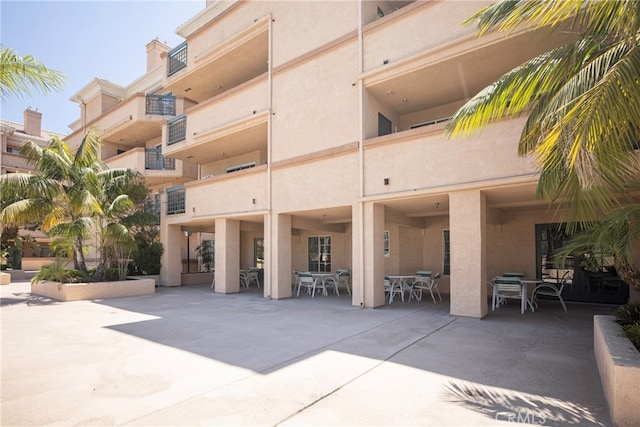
(361, 153)
(269, 148)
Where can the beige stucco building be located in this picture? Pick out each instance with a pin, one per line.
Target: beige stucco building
(310, 136)
(13, 136)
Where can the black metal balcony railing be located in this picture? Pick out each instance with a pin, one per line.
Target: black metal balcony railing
(177, 59)
(177, 129)
(176, 200)
(154, 160)
(163, 105)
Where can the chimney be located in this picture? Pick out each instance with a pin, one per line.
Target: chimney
(155, 49)
(32, 122)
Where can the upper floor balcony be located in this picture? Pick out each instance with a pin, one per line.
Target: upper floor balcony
(244, 191)
(229, 125)
(136, 120)
(421, 65)
(155, 167)
(199, 71)
(426, 158)
(13, 161)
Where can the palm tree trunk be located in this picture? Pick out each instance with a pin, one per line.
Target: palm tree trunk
(628, 273)
(78, 258)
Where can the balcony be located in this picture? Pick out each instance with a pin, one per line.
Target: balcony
(136, 120)
(177, 59)
(154, 160)
(204, 71)
(155, 167)
(420, 65)
(161, 105)
(177, 129)
(425, 158)
(14, 162)
(234, 123)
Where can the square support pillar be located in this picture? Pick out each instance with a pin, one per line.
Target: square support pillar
(373, 253)
(227, 256)
(280, 261)
(171, 259)
(467, 222)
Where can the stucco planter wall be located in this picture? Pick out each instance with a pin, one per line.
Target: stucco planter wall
(90, 291)
(619, 366)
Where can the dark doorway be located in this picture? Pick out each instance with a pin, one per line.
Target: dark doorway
(603, 286)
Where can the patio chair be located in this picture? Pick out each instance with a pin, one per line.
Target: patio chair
(306, 280)
(243, 279)
(552, 289)
(391, 288)
(342, 277)
(426, 282)
(505, 288)
(252, 276)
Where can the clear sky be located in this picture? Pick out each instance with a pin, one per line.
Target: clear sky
(86, 39)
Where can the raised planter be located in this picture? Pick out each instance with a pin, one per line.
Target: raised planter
(96, 290)
(619, 366)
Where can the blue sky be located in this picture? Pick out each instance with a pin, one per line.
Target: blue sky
(86, 39)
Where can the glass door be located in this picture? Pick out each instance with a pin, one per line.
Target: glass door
(320, 253)
(601, 286)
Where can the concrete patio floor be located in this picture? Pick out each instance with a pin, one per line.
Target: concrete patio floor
(187, 356)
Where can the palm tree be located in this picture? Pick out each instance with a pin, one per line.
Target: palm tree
(19, 75)
(582, 99)
(583, 106)
(72, 196)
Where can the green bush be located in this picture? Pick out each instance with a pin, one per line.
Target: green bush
(628, 314)
(147, 259)
(633, 332)
(57, 273)
(111, 275)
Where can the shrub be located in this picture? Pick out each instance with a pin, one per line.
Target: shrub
(633, 332)
(628, 314)
(57, 273)
(111, 275)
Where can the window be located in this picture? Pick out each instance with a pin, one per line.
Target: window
(446, 255)
(384, 125)
(241, 167)
(258, 252)
(387, 243)
(175, 200)
(320, 253)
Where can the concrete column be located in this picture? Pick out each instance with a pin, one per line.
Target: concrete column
(227, 256)
(357, 262)
(280, 262)
(171, 260)
(467, 222)
(373, 253)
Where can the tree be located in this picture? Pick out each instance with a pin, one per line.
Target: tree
(583, 106)
(19, 75)
(72, 196)
(582, 99)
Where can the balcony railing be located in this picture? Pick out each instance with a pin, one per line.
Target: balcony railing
(154, 160)
(177, 59)
(162, 105)
(177, 129)
(176, 200)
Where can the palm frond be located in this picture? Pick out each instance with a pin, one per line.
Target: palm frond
(20, 76)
